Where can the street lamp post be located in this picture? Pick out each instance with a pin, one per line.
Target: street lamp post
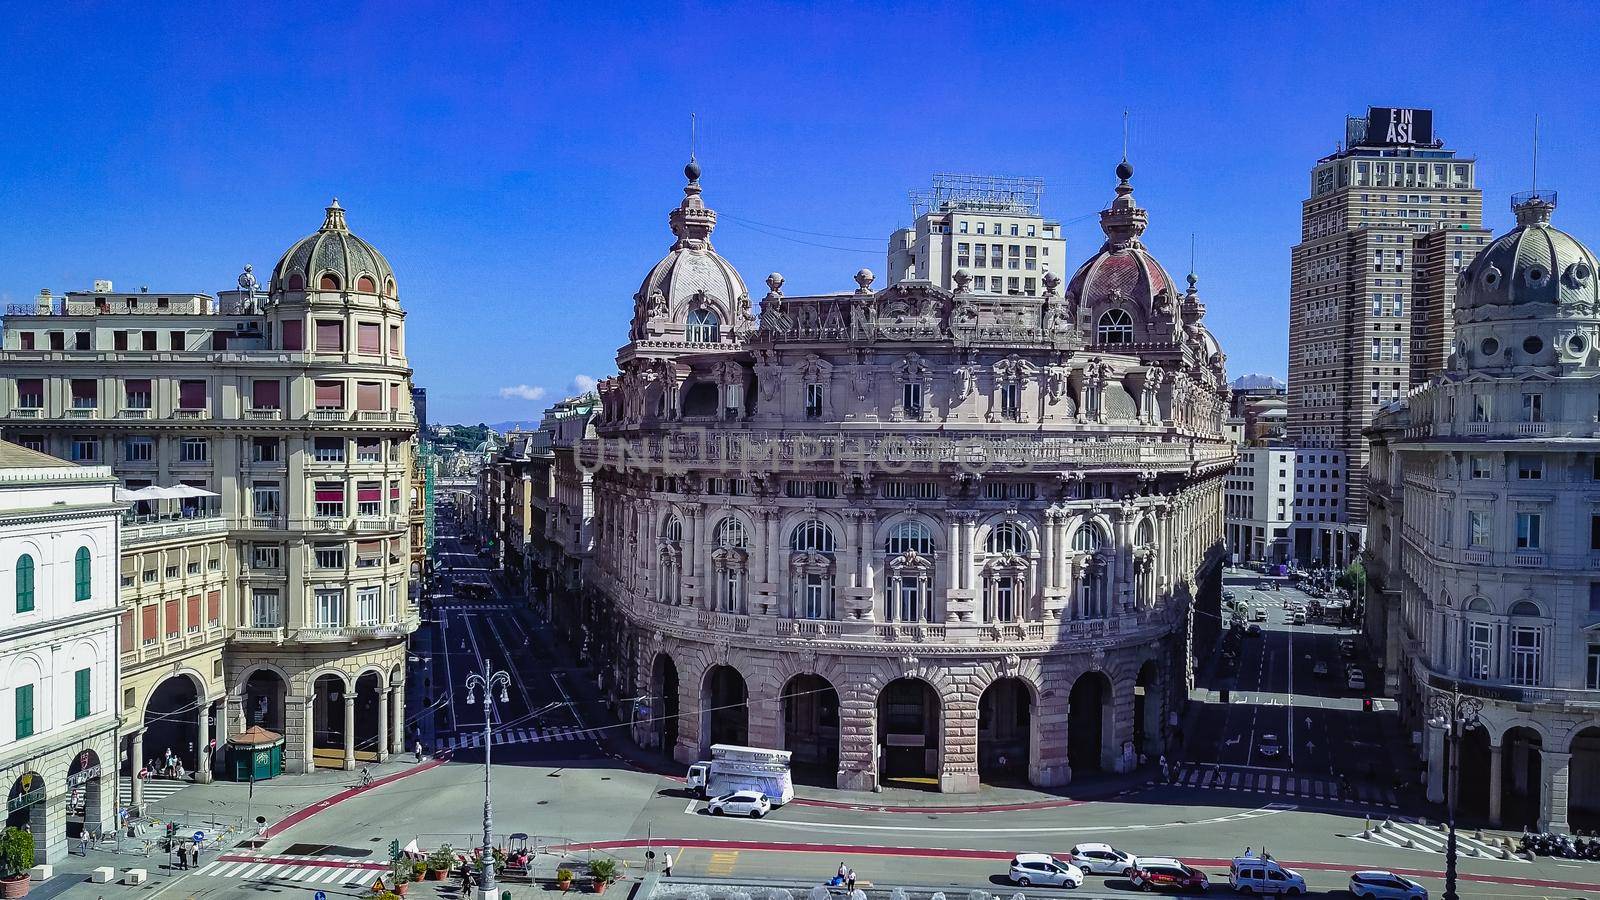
(1455, 712)
(488, 679)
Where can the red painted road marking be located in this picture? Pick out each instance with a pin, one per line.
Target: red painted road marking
(710, 844)
(300, 815)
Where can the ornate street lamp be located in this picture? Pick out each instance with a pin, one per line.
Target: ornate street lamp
(1455, 712)
(488, 679)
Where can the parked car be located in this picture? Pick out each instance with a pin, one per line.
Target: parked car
(1264, 586)
(1319, 670)
(1347, 648)
(1227, 595)
(1386, 886)
(1254, 630)
(1103, 859)
(740, 803)
(1164, 874)
(1042, 868)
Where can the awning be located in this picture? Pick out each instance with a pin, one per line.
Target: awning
(255, 736)
(157, 492)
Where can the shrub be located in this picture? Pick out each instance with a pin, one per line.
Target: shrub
(604, 870)
(16, 851)
(443, 858)
(563, 874)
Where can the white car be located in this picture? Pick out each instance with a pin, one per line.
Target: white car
(1356, 682)
(740, 803)
(1103, 859)
(1043, 869)
(1386, 886)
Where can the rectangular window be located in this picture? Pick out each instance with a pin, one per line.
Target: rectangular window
(369, 338)
(85, 393)
(266, 499)
(1480, 467)
(330, 395)
(265, 450)
(369, 611)
(369, 450)
(1528, 527)
(265, 610)
(266, 556)
(30, 393)
(394, 497)
(293, 331)
(139, 449)
(394, 341)
(1592, 681)
(193, 606)
(328, 450)
(136, 393)
(192, 394)
(329, 556)
(1377, 348)
(85, 448)
(1482, 407)
(1478, 527)
(330, 608)
(1530, 467)
(1533, 407)
(813, 401)
(369, 498)
(194, 450)
(369, 554)
(266, 393)
(911, 398)
(329, 500)
(1011, 401)
(814, 595)
(369, 396)
(24, 704)
(177, 340)
(213, 607)
(1527, 646)
(330, 335)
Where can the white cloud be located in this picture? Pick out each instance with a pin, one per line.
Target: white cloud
(583, 384)
(521, 392)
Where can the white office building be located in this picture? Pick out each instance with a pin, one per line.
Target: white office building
(989, 226)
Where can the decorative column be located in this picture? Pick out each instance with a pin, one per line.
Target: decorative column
(1434, 735)
(774, 555)
(756, 568)
(383, 725)
(135, 763)
(696, 555)
(1047, 563)
(1553, 803)
(397, 707)
(349, 732)
(1496, 782)
(202, 737)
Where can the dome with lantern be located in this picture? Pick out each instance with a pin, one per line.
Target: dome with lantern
(692, 290)
(333, 259)
(1123, 274)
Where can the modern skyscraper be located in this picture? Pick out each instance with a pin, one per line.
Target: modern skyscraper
(1391, 219)
(988, 225)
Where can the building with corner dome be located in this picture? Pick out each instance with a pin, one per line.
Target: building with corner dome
(265, 442)
(912, 534)
(1484, 541)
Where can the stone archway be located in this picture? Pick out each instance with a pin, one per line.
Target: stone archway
(724, 708)
(86, 800)
(662, 730)
(25, 808)
(811, 728)
(1088, 708)
(1472, 791)
(368, 731)
(264, 698)
(1005, 732)
(328, 726)
(1583, 785)
(909, 714)
(172, 717)
(1149, 702)
(1521, 778)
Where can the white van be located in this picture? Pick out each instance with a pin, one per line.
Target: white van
(1259, 875)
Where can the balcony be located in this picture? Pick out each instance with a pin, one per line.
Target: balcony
(263, 415)
(329, 524)
(1528, 559)
(376, 415)
(134, 412)
(328, 415)
(376, 524)
(83, 412)
(1579, 699)
(262, 523)
(144, 529)
(257, 635)
(1477, 557)
(31, 412)
(191, 414)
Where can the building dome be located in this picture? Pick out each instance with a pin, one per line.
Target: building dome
(692, 277)
(1122, 271)
(333, 259)
(1533, 271)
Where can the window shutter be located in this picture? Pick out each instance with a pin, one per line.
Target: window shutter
(330, 335)
(174, 625)
(80, 693)
(294, 335)
(267, 393)
(330, 395)
(214, 608)
(24, 583)
(83, 572)
(150, 629)
(25, 711)
(194, 613)
(30, 388)
(127, 632)
(369, 396)
(394, 397)
(369, 492)
(369, 549)
(329, 492)
(369, 339)
(85, 390)
(191, 395)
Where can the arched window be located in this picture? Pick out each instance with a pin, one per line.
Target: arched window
(388, 286)
(1007, 537)
(670, 561)
(1525, 608)
(674, 530)
(1003, 594)
(1147, 533)
(82, 575)
(1088, 539)
(24, 583)
(730, 533)
(1115, 327)
(811, 535)
(330, 281)
(297, 282)
(703, 327)
(910, 536)
(1092, 588)
(366, 285)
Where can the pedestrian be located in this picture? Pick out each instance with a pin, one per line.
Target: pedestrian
(418, 751)
(843, 870)
(1166, 774)
(666, 865)
(850, 880)
(1246, 851)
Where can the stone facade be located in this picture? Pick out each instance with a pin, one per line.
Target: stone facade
(908, 533)
(1485, 536)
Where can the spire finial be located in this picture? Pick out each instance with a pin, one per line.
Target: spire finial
(1124, 134)
(334, 218)
(1535, 153)
(692, 170)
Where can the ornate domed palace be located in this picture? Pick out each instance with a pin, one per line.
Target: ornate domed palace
(1485, 537)
(910, 534)
(263, 441)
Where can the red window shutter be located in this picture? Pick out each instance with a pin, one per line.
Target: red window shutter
(369, 339)
(369, 396)
(85, 389)
(394, 339)
(330, 395)
(369, 492)
(294, 335)
(128, 637)
(369, 549)
(191, 395)
(214, 608)
(329, 492)
(138, 386)
(194, 611)
(150, 629)
(30, 387)
(174, 621)
(394, 490)
(330, 335)
(394, 397)
(267, 393)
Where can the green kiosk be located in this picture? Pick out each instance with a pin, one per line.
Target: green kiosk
(255, 754)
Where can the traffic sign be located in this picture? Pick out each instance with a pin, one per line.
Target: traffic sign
(319, 896)
(199, 837)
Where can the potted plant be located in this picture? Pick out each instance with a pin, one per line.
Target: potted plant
(564, 879)
(419, 870)
(440, 862)
(602, 871)
(16, 858)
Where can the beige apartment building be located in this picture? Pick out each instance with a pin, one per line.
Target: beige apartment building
(1391, 219)
(989, 226)
(264, 442)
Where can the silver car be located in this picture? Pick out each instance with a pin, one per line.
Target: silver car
(1103, 859)
(1386, 886)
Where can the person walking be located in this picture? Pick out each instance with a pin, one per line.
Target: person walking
(850, 880)
(666, 865)
(418, 751)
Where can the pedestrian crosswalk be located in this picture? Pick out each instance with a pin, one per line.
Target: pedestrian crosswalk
(331, 870)
(469, 740)
(1409, 834)
(155, 790)
(1281, 784)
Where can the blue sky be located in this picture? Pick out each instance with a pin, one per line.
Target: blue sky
(516, 162)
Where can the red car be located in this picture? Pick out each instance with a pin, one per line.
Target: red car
(1158, 874)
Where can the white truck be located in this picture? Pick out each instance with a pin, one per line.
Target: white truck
(734, 768)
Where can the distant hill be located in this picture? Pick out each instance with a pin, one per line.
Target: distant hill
(521, 425)
(1256, 382)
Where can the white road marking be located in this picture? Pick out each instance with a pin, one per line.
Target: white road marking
(1268, 810)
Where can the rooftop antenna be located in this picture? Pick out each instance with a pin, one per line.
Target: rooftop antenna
(1124, 135)
(691, 135)
(1191, 253)
(1535, 152)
